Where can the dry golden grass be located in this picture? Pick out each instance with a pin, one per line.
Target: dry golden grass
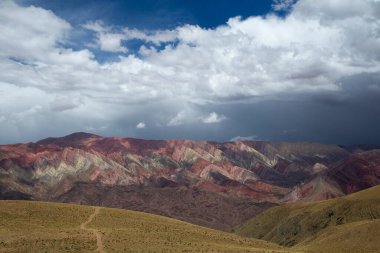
(128, 231)
(51, 227)
(347, 224)
(43, 227)
(358, 237)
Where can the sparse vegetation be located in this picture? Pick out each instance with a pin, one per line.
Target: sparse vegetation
(27, 226)
(347, 224)
(128, 231)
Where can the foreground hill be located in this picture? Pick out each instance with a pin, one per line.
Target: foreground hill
(28, 226)
(218, 185)
(347, 224)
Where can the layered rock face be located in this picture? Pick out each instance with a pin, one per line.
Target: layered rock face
(213, 184)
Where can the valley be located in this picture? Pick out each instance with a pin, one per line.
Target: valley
(134, 195)
(217, 185)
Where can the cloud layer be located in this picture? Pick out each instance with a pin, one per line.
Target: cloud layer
(183, 76)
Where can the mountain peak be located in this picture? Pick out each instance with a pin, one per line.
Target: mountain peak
(68, 139)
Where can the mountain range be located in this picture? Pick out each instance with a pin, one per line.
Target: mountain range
(217, 185)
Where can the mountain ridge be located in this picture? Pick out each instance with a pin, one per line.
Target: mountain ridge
(254, 172)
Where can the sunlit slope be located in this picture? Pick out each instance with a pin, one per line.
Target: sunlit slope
(44, 227)
(354, 237)
(51, 227)
(348, 223)
(140, 232)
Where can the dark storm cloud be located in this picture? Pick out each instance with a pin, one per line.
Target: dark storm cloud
(310, 75)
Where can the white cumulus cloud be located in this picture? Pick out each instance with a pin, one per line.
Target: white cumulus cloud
(106, 39)
(279, 5)
(309, 51)
(213, 118)
(179, 119)
(141, 125)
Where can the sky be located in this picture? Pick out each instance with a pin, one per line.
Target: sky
(281, 70)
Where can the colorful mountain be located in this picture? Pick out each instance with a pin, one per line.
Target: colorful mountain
(219, 185)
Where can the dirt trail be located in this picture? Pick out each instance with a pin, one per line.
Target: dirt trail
(99, 242)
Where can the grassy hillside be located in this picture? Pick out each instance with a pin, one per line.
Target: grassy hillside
(44, 227)
(354, 237)
(27, 226)
(347, 224)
